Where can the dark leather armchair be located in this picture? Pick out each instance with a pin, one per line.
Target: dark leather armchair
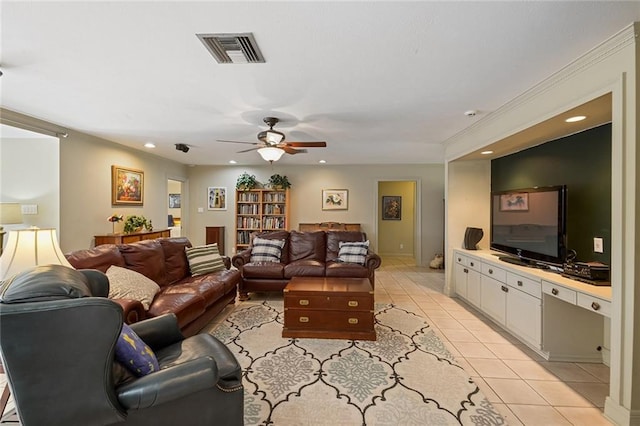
(58, 339)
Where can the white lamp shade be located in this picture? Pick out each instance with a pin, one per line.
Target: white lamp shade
(30, 247)
(10, 213)
(270, 153)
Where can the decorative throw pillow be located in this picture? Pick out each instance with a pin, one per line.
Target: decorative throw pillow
(353, 252)
(127, 284)
(204, 259)
(264, 250)
(134, 354)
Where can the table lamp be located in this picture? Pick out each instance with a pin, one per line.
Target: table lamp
(30, 247)
(10, 214)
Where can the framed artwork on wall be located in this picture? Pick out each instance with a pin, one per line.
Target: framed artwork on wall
(174, 201)
(335, 199)
(217, 197)
(391, 207)
(127, 186)
(514, 202)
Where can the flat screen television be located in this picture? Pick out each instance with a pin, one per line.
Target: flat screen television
(529, 225)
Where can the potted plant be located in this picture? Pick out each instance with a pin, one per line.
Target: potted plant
(246, 181)
(279, 182)
(136, 223)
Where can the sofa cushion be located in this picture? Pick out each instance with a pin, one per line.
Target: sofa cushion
(268, 270)
(346, 270)
(100, 258)
(204, 259)
(206, 286)
(134, 354)
(187, 307)
(307, 246)
(335, 237)
(353, 252)
(127, 284)
(304, 268)
(175, 258)
(266, 250)
(146, 257)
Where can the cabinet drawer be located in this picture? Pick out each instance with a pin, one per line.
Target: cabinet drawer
(308, 319)
(560, 292)
(474, 264)
(494, 272)
(532, 287)
(346, 303)
(603, 307)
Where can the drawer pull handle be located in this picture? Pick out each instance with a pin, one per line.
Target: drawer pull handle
(459, 259)
(595, 306)
(303, 319)
(466, 271)
(554, 291)
(353, 320)
(491, 271)
(520, 283)
(353, 303)
(472, 264)
(304, 302)
(505, 288)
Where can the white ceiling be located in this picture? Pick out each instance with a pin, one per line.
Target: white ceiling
(380, 82)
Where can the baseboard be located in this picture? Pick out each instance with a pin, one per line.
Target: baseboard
(620, 415)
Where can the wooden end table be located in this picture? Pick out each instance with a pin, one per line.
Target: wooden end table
(329, 308)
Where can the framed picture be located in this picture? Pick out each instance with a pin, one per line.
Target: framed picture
(217, 196)
(127, 186)
(391, 207)
(174, 201)
(517, 201)
(335, 199)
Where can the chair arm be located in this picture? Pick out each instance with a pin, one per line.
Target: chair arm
(242, 258)
(159, 332)
(372, 261)
(132, 310)
(169, 384)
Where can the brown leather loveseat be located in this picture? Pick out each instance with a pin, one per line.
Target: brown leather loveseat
(311, 254)
(195, 300)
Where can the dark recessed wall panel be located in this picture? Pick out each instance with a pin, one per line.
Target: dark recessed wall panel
(583, 163)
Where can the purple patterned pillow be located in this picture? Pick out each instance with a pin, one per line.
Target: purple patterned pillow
(134, 354)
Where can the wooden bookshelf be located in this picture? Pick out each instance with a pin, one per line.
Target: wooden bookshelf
(259, 210)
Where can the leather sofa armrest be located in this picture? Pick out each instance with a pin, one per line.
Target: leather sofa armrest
(160, 331)
(227, 261)
(169, 384)
(372, 261)
(242, 258)
(133, 311)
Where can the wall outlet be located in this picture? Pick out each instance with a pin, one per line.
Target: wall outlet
(401, 246)
(200, 210)
(598, 245)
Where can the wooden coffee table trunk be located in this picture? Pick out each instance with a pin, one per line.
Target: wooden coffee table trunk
(329, 308)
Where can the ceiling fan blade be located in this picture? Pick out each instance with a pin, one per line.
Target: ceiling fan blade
(290, 150)
(250, 149)
(307, 144)
(246, 143)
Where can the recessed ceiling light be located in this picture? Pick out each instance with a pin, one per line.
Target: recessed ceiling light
(149, 145)
(233, 162)
(486, 152)
(322, 161)
(576, 118)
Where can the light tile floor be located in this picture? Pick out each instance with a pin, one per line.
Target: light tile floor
(525, 388)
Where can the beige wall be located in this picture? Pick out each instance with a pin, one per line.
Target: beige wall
(611, 67)
(307, 184)
(396, 237)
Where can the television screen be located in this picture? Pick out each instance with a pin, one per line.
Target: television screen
(530, 224)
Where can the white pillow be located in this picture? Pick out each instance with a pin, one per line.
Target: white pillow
(127, 284)
(204, 259)
(265, 250)
(353, 252)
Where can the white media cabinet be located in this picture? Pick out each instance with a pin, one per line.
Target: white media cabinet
(560, 318)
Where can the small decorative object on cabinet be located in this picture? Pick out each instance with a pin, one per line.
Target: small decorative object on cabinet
(260, 210)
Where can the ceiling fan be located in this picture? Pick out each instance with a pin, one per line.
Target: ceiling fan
(272, 143)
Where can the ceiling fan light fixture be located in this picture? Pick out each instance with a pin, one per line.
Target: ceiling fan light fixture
(270, 153)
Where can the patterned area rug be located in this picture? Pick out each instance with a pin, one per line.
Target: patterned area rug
(405, 377)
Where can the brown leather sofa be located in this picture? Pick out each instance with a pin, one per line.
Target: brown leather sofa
(194, 300)
(311, 254)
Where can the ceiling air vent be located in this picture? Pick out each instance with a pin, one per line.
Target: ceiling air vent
(232, 48)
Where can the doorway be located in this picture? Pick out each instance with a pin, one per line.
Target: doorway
(174, 211)
(397, 219)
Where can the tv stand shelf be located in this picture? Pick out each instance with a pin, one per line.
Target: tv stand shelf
(560, 318)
